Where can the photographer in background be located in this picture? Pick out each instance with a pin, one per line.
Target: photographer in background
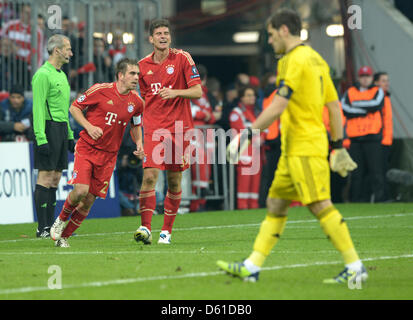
(130, 174)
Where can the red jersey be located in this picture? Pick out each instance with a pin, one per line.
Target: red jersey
(110, 111)
(20, 34)
(178, 71)
(200, 108)
(242, 117)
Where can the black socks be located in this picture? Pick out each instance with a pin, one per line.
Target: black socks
(41, 200)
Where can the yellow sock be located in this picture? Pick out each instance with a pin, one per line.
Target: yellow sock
(270, 231)
(335, 228)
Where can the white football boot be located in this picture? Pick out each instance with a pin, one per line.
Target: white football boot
(165, 237)
(57, 229)
(62, 243)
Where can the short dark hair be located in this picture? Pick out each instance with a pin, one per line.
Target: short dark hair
(123, 64)
(287, 17)
(377, 75)
(243, 89)
(17, 89)
(157, 23)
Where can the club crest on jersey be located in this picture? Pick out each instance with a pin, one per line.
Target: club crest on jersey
(130, 108)
(170, 69)
(81, 98)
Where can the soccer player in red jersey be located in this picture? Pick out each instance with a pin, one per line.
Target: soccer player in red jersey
(109, 108)
(168, 81)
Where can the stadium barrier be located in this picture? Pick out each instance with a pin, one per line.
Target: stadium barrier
(217, 184)
(18, 180)
(120, 23)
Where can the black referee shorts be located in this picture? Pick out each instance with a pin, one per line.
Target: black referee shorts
(56, 134)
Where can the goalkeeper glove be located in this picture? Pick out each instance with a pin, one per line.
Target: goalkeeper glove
(340, 160)
(238, 145)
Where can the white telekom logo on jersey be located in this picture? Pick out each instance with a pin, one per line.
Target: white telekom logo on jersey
(110, 118)
(156, 87)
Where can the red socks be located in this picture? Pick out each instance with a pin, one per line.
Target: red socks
(171, 206)
(75, 221)
(66, 210)
(147, 205)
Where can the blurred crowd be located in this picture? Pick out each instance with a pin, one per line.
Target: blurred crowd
(230, 106)
(16, 53)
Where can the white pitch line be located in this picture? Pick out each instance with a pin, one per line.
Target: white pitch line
(184, 276)
(139, 252)
(220, 227)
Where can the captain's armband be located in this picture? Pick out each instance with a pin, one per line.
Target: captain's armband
(285, 92)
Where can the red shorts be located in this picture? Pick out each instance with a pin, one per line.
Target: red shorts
(166, 152)
(93, 167)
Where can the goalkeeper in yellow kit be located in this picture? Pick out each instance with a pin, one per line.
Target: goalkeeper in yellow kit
(303, 173)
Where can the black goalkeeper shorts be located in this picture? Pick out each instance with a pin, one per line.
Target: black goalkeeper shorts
(56, 134)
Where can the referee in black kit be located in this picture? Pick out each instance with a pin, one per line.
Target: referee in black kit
(51, 102)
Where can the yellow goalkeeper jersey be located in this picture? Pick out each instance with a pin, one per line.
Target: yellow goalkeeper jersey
(307, 74)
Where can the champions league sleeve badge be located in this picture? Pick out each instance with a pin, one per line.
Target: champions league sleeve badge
(81, 98)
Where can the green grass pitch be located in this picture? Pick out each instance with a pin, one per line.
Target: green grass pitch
(104, 262)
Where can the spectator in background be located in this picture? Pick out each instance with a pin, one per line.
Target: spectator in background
(77, 39)
(130, 174)
(16, 116)
(242, 80)
(272, 144)
(231, 98)
(67, 28)
(13, 70)
(117, 50)
(103, 62)
(381, 79)
(19, 31)
(230, 101)
(231, 95)
(8, 64)
(242, 117)
(6, 12)
(362, 105)
(41, 25)
(267, 86)
(202, 114)
(214, 92)
(101, 67)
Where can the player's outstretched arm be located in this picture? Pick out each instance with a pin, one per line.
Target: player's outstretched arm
(270, 114)
(94, 132)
